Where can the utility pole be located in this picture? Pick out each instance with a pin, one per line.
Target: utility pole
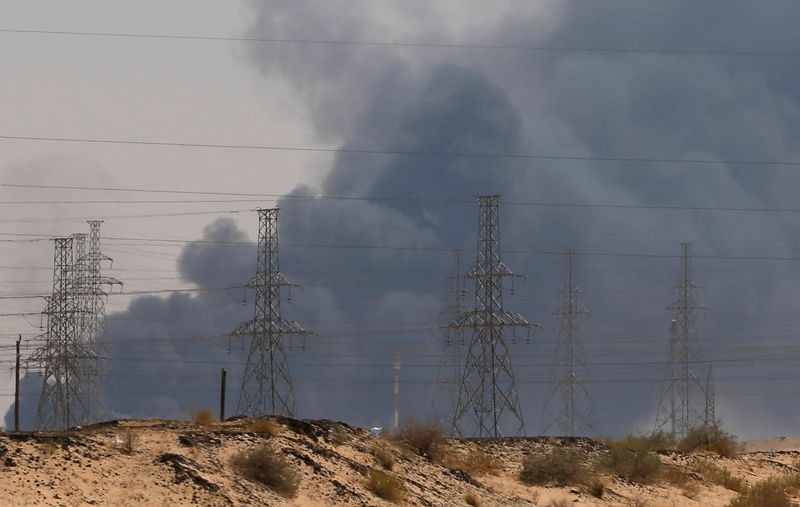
(223, 380)
(266, 384)
(487, 397)
(16, 387)
(681, 380)
(569, 365)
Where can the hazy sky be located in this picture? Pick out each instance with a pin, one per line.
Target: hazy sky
(655, 83)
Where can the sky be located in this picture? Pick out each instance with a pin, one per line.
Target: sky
(666, 106)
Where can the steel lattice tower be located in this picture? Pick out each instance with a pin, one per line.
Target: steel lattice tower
(710, 418)
(62, 402)
(569, 365)
(452, 350)
(681, 382)
(96, 284)
(487, 395)
(266, 384)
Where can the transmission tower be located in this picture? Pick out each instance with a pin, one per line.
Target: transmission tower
(710, 418)
(63, 401)
(97, 285)
(487, 396)
(452, 350)
(266, 384)
(682, 383)
(569, 365)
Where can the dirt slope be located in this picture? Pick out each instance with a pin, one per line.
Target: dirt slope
(179, 463)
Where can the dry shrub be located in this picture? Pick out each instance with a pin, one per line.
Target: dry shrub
(675, 476)
(720, 476)
(203, 417)
(638, 501)
(637, 465)
(427, 439)
(559, 502)
(386, 486)
(472, 500)
(264, 465)
(712, 439)
(561, 467)
(130, 441)
(596, 487)
(475, 463)
(383, 456)
(653, 442)
(264, 426)
(691, 491)
(769, 493)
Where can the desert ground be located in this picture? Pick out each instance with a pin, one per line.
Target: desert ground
(168, 463)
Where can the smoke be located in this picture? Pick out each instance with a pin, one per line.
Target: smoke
(365, 304)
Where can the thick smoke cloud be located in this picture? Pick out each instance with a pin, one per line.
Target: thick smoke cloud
(638, 105)
(366, 304)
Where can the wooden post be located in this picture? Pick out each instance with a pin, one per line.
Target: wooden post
(222, 395)
(16, 389)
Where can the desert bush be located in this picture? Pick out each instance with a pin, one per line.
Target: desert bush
(638, 465)
(264, 465)
(559, 502)
(130, 440)
(561, 467)
(264, 426)
(769, 493)
(720, 476)
(203, 417)
(427, 439)
(596, 487)
(639, 502)
(383, 456)
(472, 500)
(385, 486)
(656, 441)
(710, 438)
(475, 463)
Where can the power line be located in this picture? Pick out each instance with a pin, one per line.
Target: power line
(412, 153)
(407, 44)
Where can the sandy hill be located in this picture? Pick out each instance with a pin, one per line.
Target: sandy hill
(180, 463)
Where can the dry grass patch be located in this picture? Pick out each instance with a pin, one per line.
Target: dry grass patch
(561, 467)
(263, 464)
(130, 441)
(475, 462)
(711, 439)
(426, 439)
(386, 486)
(203, 417)
(635, 464)
(652, 442)
(596, 487)
(263, 426)
(472, 500)
(383, 456)
(720, 476)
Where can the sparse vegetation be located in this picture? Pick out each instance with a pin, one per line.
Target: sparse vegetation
(130, 441)
(263, 464)
(710, 438)
(652, 442)
(385, 486)
(266, 427)
(772, 492)
(718, 475)
(561, 467)
(597, 487)
(472, 500)
(203, 417)
(559, 502)
(475, 463)
(383, 456)
(635, 464)
(426, 439)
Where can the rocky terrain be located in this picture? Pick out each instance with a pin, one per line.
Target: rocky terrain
(167, 463)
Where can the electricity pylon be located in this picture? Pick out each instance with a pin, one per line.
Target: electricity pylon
(569, 367)
(487, 395)
(452, 350)
(266, 384)
(63, 401)
(710, 418)
(682, 383)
